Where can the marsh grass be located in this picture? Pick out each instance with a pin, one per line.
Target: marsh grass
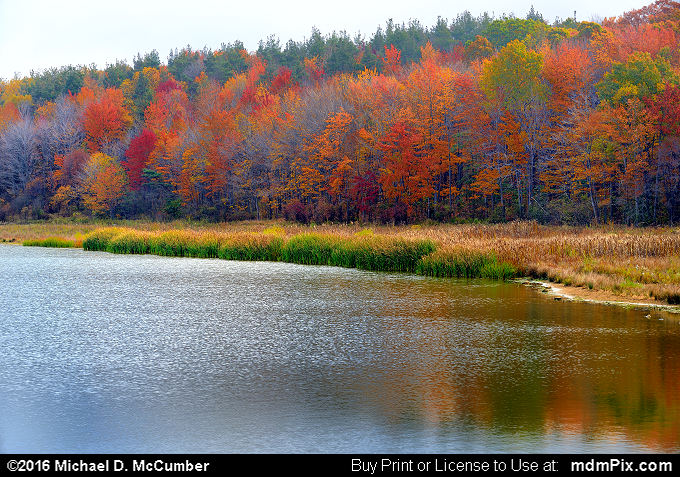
(98, 240)
(252, 247)
(364, 252)
(127, 241)
(461, 263)
(625, 261)
(56, 242)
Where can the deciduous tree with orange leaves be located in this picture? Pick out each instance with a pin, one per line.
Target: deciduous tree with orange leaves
(103, 183)
(105, 119)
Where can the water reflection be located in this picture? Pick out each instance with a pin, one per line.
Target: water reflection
(106, 353)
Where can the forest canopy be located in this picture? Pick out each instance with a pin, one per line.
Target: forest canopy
(474, 118)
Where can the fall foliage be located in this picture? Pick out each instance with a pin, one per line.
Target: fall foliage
(478, 118)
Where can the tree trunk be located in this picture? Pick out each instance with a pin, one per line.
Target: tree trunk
(591, 193)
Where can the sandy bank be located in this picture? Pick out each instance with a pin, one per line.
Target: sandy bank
(563, 292)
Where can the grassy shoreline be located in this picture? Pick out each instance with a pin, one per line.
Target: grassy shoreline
(363, 250)
(629, 263)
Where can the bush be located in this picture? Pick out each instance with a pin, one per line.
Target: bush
(296, 211)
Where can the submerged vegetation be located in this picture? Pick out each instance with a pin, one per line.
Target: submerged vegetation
(633, 263)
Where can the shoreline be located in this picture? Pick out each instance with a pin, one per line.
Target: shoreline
(557, 291)
(628, 267)
(568, 293)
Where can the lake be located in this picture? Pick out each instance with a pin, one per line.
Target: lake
(106, 353)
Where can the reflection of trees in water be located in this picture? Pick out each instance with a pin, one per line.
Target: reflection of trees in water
(519, 365)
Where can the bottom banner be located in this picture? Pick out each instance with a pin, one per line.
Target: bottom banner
(365, 464)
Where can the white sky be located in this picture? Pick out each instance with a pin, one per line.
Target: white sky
(38, 34)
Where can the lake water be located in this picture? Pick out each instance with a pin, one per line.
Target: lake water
(120, 353)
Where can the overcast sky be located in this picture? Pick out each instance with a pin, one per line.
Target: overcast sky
(38, 34)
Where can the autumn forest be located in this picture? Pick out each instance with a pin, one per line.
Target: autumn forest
(475, 118)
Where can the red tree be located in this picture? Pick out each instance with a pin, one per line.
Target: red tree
(282, 80)
(138, 156)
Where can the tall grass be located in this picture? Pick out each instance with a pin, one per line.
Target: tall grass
(252, 247)
(99, 239)
(364, 252)
(463, 263)
(127, 241)
(374, 253)
(184, 243)
(56, 242)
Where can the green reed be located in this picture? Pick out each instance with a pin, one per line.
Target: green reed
(57, 242)
(465, 264)
(363, 251)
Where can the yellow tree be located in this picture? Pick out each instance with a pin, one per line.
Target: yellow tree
(12, 92)
(512, 80)
(103, 183)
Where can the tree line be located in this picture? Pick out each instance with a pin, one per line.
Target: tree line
(472, 119)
